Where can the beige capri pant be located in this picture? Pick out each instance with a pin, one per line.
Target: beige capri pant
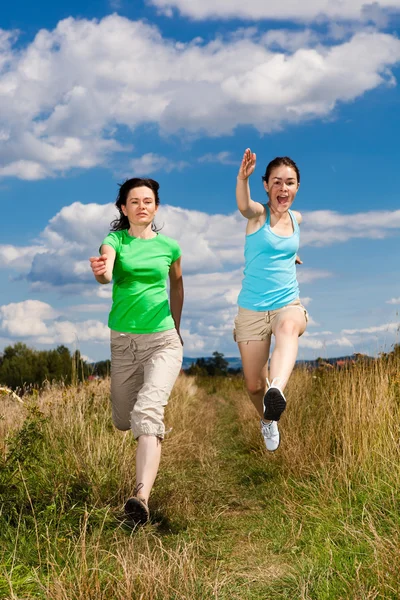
(144, 368)
(251, 325)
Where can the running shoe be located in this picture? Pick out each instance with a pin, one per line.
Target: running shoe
(270, 433)
(274, 401)
(137, 511)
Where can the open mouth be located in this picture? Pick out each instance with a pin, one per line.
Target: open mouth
(283, 199)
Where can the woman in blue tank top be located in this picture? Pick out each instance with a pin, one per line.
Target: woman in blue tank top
(269, 299)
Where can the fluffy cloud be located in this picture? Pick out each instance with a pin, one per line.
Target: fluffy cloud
(326, 227)
(19, 259)
(320, 341)
(222, 158)
(40, 322)
(26, 318)
(385, 328)
(286, 9)
(65, 96)
(151, 163)
(212, 260)
(212, 245)
(393, 301)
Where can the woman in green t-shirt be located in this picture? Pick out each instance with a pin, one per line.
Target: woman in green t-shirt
(146, 346)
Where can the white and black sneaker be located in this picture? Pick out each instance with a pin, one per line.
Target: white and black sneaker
(270, 433)
(274, 401)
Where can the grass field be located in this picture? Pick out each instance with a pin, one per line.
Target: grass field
(319, 519)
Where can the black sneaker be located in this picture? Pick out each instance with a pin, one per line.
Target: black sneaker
(274, 401)
(137, 511)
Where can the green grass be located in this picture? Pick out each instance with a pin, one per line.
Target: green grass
(319, 519)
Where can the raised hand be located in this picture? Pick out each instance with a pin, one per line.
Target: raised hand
(248, 164)
(98, 264)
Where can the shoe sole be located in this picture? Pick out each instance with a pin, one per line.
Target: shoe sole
(136, 511)
(274, 404)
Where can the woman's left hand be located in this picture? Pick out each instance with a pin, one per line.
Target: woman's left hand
(298, 261)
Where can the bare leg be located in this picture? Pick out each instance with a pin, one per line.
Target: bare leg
(254, 356)
(148, 456)
(287, 327)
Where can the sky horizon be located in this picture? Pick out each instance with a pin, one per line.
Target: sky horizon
(176, 90)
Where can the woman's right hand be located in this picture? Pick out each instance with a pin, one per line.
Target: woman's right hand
(98, 264)
(248, 164)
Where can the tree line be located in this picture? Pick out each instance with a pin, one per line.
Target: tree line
(23, 367)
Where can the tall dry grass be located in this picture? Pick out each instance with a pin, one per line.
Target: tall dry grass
(339, 462)
(214, 532)
(74, 496)
(346, 421)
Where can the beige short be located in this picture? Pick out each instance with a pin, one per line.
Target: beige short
(257, 325)
(144, 368)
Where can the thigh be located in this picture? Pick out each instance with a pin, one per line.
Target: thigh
(290, 319)
(254, 355)
(251, 325)
(126, 379)
(163, 365)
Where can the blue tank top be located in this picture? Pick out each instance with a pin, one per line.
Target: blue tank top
(270, 273)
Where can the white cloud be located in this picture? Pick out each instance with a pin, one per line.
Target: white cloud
(212, 262)
(385, 328)
(323, 339)
(66, 94)
(18, 258)
(326, 227)
(393, 301)
(88, 308)
(210, 243)
(341, 341)
(305, 300)
(150, 163)
(306, 275)
(26, 318)
(103, 291)
(286, 9)
(39, 321)
(222, 158)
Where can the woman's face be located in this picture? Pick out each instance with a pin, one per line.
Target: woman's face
(140, 207)
(281, 187)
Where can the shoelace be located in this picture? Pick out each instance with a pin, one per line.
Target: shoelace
(267, 429)
(274, 382)
(137, 490)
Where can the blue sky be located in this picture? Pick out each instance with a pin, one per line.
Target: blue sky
(177, 89)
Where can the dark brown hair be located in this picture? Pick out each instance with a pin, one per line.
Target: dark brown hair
(277, 162)
(122, 222)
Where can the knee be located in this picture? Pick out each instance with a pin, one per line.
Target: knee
(289, 327)
(255, 387)
(121, 425)
(121, 420)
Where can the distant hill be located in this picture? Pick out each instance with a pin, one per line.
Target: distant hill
(236, 363)
(233, 361)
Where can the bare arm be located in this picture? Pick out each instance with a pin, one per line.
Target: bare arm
(176, 292)
(102, 266)
(247, 206)
(299, 219)
(298, 216)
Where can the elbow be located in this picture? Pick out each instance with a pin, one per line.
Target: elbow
(245, 213)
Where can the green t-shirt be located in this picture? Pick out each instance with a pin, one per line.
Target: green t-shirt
(141, 268)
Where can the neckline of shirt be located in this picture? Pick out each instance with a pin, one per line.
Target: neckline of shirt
(132, 237)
